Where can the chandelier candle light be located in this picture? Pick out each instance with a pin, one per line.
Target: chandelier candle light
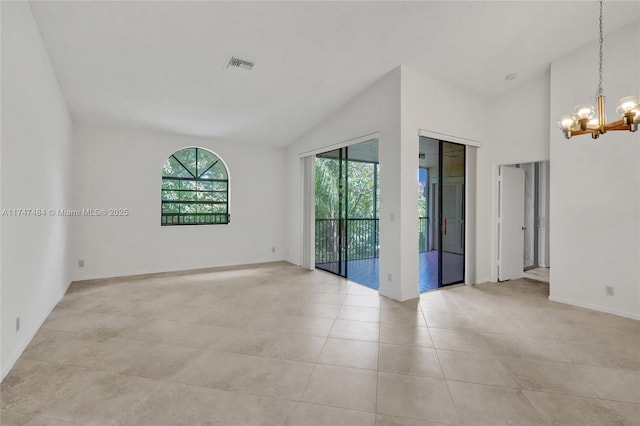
(587, 119)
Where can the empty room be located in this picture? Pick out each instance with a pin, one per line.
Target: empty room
(320, 213)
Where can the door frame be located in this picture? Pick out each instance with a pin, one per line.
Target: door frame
(471, 197)
(436, 182)
(441, 208)
(343, 208)
(307, 196)
(536, 217)
(506, 270)
(495, 168)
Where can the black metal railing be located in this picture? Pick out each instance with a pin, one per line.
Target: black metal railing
(361, 237)
(327, 240)
(423, 234)
(353, 239)
(194, 218)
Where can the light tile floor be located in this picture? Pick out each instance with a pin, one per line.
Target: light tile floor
(538, 274)
(277, 345)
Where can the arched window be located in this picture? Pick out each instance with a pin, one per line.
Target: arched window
(195, 188)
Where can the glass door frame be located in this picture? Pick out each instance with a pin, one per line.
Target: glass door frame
(442, 225)
(342, 222)
(347, 234)
(446, 163)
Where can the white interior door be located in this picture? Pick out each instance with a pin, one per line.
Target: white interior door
(511, 223)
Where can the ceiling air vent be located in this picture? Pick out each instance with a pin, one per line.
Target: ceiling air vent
(241, 65)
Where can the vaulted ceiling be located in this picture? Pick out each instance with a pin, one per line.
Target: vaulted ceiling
(161, 65)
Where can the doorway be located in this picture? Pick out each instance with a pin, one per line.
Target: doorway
(347, 212)
(523, 230)
(441, 213)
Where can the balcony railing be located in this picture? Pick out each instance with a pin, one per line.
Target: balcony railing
(361, 239)
(423, 234)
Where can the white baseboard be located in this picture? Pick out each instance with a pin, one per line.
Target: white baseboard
(595, 307)
(16, 355)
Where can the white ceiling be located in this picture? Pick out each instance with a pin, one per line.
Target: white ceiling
(161, 65)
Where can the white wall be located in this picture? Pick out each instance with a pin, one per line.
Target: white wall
(122, 168)
(397, 106)
(36, 147)
(432, 105)
(518, 133)
(595, 185)
(377, 109)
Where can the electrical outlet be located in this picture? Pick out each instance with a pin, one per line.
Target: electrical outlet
(610, 290)
(81, 263)
(17, 324)
(389, 277)
(273, 249)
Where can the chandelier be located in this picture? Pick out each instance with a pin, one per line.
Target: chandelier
(587, 119)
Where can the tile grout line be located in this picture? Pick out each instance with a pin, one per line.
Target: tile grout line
(453, 401)
(491, 345)
(596, 398)
(315, 365)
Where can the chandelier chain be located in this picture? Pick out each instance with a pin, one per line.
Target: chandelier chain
(587, 119)
(600, 91)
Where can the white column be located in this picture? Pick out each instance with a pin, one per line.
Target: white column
(399, 216)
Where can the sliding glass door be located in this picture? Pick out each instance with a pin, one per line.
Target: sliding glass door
(441, 192)
(347, 224)
(452, 213)
(331, 211)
